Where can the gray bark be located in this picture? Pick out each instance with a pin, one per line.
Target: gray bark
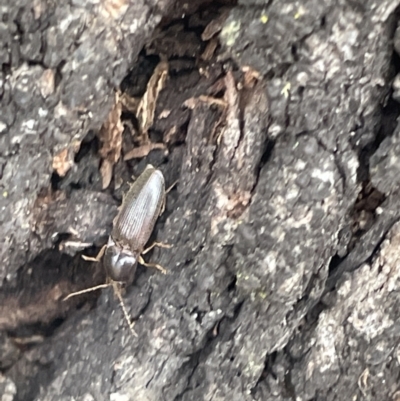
(283, 278)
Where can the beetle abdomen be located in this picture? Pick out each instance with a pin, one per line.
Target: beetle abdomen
(140, 209)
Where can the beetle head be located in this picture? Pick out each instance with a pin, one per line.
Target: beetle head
(120, 263)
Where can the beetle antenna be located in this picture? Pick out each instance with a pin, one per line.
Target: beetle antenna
(97, 287)
(126, 314)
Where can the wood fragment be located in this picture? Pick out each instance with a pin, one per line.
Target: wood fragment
(62, 162)
(110, 136)
(143, 151)
(214, 26)
(209, 51)
(46, 83)
(147, 105)
(251, 77)
(106, 170)
(129, 103)
(170, 134)
(144, 109)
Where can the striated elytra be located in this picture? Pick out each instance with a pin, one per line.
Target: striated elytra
(133, 225)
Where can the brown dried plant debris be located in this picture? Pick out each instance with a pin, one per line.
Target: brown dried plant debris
(250, 77)
(214, 26)
(147, 105)
(193, 102)
(209, 51)
(64, 159)
(210, 35)
(110, 136)
(143, 150)
(144, 109)
(62, 162)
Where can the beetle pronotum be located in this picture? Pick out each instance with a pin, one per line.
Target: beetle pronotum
(132, 227)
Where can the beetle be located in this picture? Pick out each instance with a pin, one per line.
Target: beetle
(132, 228)
(133, 225)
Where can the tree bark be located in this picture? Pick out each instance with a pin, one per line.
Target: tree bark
(283, 278)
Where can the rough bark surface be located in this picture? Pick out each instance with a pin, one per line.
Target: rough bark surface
(283, 279)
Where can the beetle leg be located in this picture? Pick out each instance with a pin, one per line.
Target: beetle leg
(165, 197)
(162, 210)
(98, 287)
(117, 292)
(170, 187)
(157, 266)
(98, 257)
(154, 244)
